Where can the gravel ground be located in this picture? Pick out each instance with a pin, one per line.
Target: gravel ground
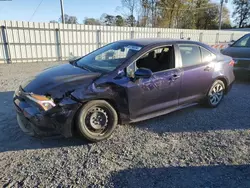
(194, 147)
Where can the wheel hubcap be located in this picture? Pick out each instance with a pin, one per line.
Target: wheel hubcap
(97, 119)
(216, 94)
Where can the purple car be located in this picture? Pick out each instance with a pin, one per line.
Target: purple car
(122, 82)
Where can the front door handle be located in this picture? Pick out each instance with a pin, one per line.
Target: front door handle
(175, 76)
(207, 68)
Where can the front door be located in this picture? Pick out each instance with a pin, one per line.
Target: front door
(149, 95)
(161, 90)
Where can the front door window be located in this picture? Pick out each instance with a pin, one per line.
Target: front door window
(157, 60)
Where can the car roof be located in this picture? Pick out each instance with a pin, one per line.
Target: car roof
(151, 41)
(155, 41)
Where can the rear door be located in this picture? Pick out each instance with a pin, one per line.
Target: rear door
(197, 66)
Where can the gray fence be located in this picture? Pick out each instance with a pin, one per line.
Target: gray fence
(35, 42)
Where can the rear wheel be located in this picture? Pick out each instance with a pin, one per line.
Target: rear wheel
(97, 120)
(215, 94)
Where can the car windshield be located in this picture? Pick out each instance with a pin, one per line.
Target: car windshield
(243, 42)
(108, 58)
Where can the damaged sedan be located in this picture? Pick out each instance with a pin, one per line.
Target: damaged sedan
(122, 82)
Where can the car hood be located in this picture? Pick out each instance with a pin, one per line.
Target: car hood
(58, 80)
(237, 52)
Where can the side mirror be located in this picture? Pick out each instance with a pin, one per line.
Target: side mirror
(143, 73)
(120, 74)
(73, 58)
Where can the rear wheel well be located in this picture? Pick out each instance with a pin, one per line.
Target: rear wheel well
(225, 83)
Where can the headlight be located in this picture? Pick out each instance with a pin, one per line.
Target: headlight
(45, 102)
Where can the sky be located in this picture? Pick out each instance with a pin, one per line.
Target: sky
(22, 10)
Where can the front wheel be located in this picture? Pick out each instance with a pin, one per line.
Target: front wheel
(97, 120)
(215, 94)
(25, 126)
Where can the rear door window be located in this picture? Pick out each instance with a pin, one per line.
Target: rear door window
(190, 54)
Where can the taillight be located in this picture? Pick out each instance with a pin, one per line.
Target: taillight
(232, 63)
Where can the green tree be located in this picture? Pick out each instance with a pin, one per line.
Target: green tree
(131, 5)
(226, 22)
(172, 13)
(145, 7)
(109, 20)
(69, 19)
(188, 14)
(119, 21)
(91, 21)
(210, 18)
(131, 21)
(241, 12)
(53, 21)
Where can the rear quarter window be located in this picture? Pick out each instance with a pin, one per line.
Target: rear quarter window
(207, 56)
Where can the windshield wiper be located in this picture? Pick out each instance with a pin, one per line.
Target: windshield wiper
(74, 63)
(85, 67)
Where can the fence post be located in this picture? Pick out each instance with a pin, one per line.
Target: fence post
(58, 45)
(158, 34)
(200, 37)
(6, 44)
(181, 35)
(232, 37)
(217, 38)
(132, 34)
(98, 38)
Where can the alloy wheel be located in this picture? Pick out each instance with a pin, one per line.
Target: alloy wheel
(216, 94)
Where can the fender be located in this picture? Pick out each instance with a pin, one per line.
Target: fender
(109, 91)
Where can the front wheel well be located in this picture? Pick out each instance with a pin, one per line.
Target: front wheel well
(110, 101)
(114, 105)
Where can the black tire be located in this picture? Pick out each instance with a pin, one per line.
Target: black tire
(216, 94)
(25, 126)
(96, 120)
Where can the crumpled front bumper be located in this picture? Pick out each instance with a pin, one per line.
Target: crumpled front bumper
(58, 120)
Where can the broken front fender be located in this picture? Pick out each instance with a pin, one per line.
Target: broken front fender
(112, 93)
(63, 116)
